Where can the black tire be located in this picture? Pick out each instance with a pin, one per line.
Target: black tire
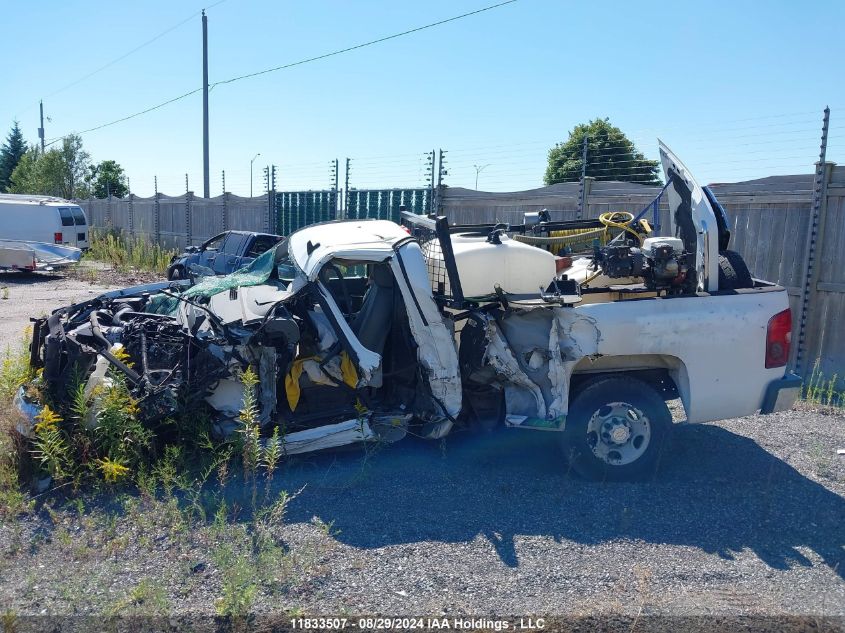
(175, 273)
(616, 405)
(733, 273)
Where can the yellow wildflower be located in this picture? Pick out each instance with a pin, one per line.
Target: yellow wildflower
(48, 420)
(113, 471)
(123, 356)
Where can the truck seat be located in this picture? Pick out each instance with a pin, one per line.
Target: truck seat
(371, 324)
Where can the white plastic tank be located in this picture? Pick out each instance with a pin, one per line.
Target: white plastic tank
(516, 267)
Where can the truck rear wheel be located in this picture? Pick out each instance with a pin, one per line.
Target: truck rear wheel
(616, 429)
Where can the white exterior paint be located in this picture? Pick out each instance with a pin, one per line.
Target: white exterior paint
(40, 219)
(436, 351)
(719, 342)
(356, 240)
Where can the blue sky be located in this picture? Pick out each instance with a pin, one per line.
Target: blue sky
(736, 89)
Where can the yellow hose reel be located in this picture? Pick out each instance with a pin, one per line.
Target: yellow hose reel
(613, 223)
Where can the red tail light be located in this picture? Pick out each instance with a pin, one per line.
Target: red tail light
(57, 238)
(778, 335)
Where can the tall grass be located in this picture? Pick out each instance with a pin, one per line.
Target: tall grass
(822, 391)
(125, 252)
(14, 372)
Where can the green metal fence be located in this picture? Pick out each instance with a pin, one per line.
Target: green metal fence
(384, 204)
(295, 209)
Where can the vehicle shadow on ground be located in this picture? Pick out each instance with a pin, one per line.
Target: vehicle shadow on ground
(28, 279)
(716, 491)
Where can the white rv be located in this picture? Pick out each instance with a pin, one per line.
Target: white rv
(45, 219)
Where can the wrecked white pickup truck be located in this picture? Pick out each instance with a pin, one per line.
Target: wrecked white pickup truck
(368, 330)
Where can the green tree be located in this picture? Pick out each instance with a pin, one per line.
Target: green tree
(10, 155)
(74, 166)
(610, 156)
(24, 177)
(107, 177)
(56, 172)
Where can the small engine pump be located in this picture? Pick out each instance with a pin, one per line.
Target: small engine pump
(662, 262)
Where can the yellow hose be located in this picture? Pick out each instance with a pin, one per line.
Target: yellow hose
(556, 240)
(612, 219)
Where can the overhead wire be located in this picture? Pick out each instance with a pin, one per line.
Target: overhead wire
(298, 63)
(125, 55)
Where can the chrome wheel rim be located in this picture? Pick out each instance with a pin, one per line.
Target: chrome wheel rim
(618, 433)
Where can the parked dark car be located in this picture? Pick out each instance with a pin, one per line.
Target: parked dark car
(224, 253)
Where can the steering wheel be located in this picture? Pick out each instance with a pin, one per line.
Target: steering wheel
(324, 278)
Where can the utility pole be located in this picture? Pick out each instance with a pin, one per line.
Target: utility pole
(41, 129)
(205, 188)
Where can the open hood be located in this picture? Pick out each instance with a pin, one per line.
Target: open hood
(691, 218)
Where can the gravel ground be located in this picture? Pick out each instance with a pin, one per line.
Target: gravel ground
(747, 516)
(25, 295)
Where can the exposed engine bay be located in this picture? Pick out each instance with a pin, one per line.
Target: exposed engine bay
(334, 352)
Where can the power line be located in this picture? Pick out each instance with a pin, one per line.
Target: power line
(301, 62)
(132, 116)
(127, 54)
(365, 44)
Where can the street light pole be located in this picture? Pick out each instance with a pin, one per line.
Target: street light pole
(478, 170)
(205, 185)
(250, 172)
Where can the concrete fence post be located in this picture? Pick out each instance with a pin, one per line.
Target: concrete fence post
(225, 210)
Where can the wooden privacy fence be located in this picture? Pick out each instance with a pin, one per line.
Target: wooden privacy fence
(770, 224)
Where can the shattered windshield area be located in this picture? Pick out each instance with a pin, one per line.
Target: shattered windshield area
(272, 263)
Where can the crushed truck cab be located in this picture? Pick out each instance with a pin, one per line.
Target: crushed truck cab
(365, 330)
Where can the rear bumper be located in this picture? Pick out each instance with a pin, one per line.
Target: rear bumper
(781, 394)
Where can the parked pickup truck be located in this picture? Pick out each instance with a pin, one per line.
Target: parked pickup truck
(385, 329)
(223, 254)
